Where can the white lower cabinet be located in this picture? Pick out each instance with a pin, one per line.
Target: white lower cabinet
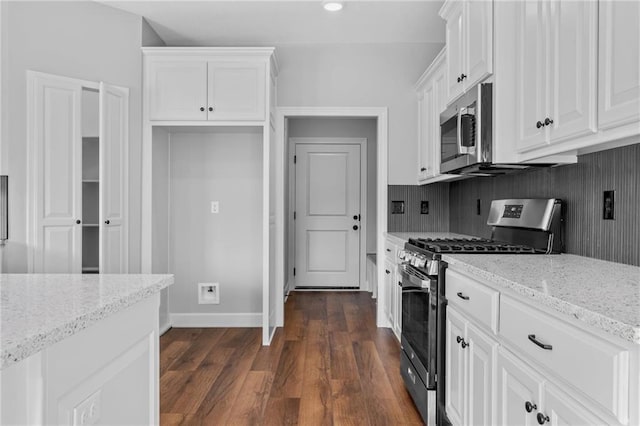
(389, 294)
(393, 291)
(539, 368)
(527, 398)
(470, 386)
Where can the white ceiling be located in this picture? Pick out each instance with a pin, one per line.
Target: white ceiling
(267, 22)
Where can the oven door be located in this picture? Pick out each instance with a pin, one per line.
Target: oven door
(419, 321)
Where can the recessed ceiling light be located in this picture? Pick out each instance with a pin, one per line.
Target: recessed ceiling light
(332, 5)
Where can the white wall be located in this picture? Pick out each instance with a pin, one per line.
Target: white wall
(85, 40)
(224, 166)
(149, 36)
(362, 75)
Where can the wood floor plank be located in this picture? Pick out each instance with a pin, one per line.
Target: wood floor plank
(289, 374)
(216, 405)
(349, 405)
(329, 364)
(281, 411)
(249, 407)
(200, 348)
(196, 388)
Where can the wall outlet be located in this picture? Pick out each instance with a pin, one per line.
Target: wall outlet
(478, 207)
(424, 207)
(88, 411)
(208, 293)
(608, 205)
(215, 207)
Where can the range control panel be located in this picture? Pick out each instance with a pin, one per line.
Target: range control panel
(512, 211)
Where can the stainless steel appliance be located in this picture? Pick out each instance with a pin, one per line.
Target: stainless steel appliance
(466, 136)
(520, 226)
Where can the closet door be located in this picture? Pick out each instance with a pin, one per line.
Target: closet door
(55, 174)
(114, 136)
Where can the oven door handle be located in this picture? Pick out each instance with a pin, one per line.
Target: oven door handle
(413, 280)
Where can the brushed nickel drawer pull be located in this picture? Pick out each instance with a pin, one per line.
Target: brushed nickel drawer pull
(532, 337)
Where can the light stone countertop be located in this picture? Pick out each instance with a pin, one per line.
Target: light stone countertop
(38, 310)
(605, 295)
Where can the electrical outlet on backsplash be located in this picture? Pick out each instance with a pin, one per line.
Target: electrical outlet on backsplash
(426, 208)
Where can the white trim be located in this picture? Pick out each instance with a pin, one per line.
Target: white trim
(362, 142)
(381, 114)
(164, 328)
(216, 320)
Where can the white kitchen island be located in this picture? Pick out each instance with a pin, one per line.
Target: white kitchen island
(79, 349)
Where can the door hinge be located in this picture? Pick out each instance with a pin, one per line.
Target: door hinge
(294, 215)
(295, 159)
(294, 272)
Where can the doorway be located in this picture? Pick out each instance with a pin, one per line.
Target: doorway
(329, 193)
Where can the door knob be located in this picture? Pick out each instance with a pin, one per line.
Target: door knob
(539, 124)
(210, 108)
(201, 108)
(355, 217)
(542, 418)
(458, 339)
(529, 406)
(355, 227)
(548, 121)
(462, 77)
(107, 222)
(459, 80)
(78, 221)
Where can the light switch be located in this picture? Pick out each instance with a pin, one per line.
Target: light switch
(215, 207)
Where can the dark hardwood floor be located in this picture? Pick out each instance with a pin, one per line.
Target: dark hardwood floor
(328, 365)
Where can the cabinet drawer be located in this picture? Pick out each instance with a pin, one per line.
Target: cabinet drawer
(475, 299)
(596, 367)
(391, 251)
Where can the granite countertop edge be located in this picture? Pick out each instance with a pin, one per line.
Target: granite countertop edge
(609, 325)
(35, 343)
(627, 332)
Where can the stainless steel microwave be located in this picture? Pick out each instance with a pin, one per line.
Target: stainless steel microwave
(466, 129)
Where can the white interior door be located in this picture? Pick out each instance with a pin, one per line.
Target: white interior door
(327, 200)
(55, 150)
(114, 136)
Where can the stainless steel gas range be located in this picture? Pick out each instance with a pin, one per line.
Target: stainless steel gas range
(520, 226)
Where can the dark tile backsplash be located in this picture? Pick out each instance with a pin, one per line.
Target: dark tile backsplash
(580, 185)
(412, 220)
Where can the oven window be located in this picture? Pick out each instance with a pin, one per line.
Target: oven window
(415, 321)
(449, 139)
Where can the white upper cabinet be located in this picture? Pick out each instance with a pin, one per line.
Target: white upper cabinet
(619, 63)
(469, 38)
(431, 89)
(178, 90)
(555, 71)
(236, 91)
(207, 84)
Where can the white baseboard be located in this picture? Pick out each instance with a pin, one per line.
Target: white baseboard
(216, 320)
(164, 328)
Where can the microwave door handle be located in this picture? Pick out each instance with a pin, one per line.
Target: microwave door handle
(459, 129)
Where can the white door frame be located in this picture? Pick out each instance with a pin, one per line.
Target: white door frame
(362, 142)
(379, 113)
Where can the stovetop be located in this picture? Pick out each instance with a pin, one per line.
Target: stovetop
(469, 245)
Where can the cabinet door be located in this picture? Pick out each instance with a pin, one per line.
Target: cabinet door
(563, 410)
(573, 31)
(517, 385)
(55, 174)
(481, 360)
(397, 319)
(114, 165)
(455, 367)
(619, 63)
(236, 91)
(178, 90)
(426, 118)
(531, 72)
(454, 38)
(389, 281)
(478, 41)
